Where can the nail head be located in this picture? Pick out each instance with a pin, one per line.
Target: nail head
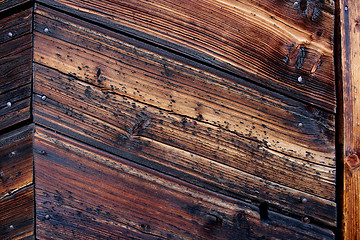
(296, 4)
(346, 8)
(43, 152)
(46, 30)
(8, 104)
(300, 124)
(11, 227)
(47, 216)
(13, 153)
(300, 79)
(303, 200)
(305, 220)
(10, 34)
(43, 98)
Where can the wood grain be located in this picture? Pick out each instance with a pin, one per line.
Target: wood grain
(88, 193)
(150, 78)
(350, 52)
(186, 148)
(283, 40)
(16, 184)
(17, 24)
(8, 4)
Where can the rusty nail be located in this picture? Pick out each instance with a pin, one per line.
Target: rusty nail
(10, 34)
(43, 98)
(346, 8)
(46, 30)
(47, 217)
(305, 220)
(8, 104)
(11, 227)
(43, 152)
(300, 124)
(13, 153)
(300, 79)
(303, 200)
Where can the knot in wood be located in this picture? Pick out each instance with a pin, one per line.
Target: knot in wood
(353, 160)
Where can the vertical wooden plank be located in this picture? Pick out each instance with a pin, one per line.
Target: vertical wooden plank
(350, 49)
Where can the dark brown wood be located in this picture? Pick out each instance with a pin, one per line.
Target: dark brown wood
(16, 25)
(271, 43)
(17, 215)
(16, 184)
(82, 192)
(350, 134)
(8, 4)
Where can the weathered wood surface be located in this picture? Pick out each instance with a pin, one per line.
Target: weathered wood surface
(82, 192)
(8, 4)
(15, 68)
(16, 184)
(238, 139)
(350, 132)
(273, 43)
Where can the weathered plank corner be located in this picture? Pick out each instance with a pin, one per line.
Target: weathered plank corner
(175, 119)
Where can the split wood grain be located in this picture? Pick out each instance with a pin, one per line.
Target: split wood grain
(271, 43)
(82, 192)
(284, 125)
(350, 117)
(186, 148)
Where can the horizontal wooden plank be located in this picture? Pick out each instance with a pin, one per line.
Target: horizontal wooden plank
(17, 215)
(15, 46)
(16, 165)
(187, 148)
(8, 4)
(284, 41)
(80, 186)
(15, 25)
(15, 71)
(78, 49)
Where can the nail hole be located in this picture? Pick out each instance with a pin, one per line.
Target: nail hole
(264, 211)
(319, 33)
(303, 5)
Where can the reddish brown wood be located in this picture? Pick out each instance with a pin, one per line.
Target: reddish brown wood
(272, 43)
(82, 192)
(350, 138)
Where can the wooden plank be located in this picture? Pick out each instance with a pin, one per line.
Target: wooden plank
(15, 46)
(15, 25)
(17, 215)
(350, 117)
(81, 189)
(16, 165)
(291, 41)
(8, 4)
(147, 76)
(187, 148)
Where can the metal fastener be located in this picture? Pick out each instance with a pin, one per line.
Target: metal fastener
(47, 217)
(13, 153)
(300, 124)
(43, 98)
(43, 152)
(303, 200)
(305, 220)
(10, 34)
(8, 104)
(296, 4)
(346, 8)
(11, 227)
(300, 79)
(46, 30)
(1, 175)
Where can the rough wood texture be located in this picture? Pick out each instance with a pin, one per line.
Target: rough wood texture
(8, 4)
(16, 184)
(82, 192)
(283, 45)
(15, 68)
(181, 133)
(350, 53)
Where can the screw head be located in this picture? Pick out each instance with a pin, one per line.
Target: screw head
(10, 34)
(43, 98)
(46, 30)
(9, 104)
